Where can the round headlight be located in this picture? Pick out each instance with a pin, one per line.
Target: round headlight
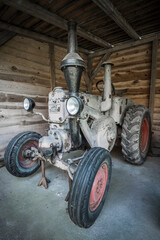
(28, 104)
(73, 105)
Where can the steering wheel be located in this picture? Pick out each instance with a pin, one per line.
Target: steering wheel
(100, 89)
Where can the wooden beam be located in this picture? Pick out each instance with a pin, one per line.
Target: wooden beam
(103, 59)
(47, 16)
(87, 80)
(87, 75)
(128, 44)
(90, 74)
(108, 7)
(36, 36)
(52, 65)
(5, 36)
(153, 77)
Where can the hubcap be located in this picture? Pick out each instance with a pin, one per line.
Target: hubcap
(144, 135)
(26, 162)
(98, 187)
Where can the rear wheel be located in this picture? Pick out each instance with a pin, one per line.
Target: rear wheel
(136, 134)
(16, 162)
(90, 186)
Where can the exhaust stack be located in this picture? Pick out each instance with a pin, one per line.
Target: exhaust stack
(72, 66)
(107, 96)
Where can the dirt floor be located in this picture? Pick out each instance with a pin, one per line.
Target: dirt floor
(131, 210)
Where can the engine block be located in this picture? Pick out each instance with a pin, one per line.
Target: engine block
(58, 134)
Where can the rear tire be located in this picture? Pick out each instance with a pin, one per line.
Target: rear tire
(90, 186)
(14, 160)
(136, 134)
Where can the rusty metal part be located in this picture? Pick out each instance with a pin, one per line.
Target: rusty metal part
(25, 155)
(70, 183)
(44, 181)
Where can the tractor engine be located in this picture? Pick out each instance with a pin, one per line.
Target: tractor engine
(59, 138)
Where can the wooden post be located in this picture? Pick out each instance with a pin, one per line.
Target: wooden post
(89, 75)
(153, 77)
(52, 65)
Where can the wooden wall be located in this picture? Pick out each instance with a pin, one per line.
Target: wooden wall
(132, 70)
(24, 72)
(156, 115)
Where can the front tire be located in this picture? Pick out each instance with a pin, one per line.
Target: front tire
(14, 159)
(90, 187)
(136, 134)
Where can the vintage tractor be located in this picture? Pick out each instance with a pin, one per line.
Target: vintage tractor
(78, 120)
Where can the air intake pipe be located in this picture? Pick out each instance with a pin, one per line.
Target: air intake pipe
(107, 95)
(72, 66)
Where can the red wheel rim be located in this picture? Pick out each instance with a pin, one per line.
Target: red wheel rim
(144, 135)
(23, 161)
(98, 187)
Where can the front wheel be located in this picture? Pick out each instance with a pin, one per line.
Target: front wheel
(90, 186)
(15, 160)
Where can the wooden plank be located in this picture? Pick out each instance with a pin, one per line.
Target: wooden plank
(16, 52)
(43, 14)
(24, 63)
(52, 65)
(103, 59)
(23, 87)
(5, 36)
(153, 77)
(35, 35)
(127, 44)
(108, 7)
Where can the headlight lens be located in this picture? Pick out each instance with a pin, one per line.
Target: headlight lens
(28, 104)
(73, 105)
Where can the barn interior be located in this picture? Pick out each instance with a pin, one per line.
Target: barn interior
(33, 42)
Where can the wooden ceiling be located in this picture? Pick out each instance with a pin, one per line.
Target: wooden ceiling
(99, 25)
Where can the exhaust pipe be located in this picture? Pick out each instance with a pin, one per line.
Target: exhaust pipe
(107, 96)
(72, 66)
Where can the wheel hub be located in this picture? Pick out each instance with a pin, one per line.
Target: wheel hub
(98, 187)
(25, 154)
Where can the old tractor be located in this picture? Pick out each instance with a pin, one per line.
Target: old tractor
(79, 120)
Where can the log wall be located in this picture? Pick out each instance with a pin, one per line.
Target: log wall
(156, 115)
(25, 71)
